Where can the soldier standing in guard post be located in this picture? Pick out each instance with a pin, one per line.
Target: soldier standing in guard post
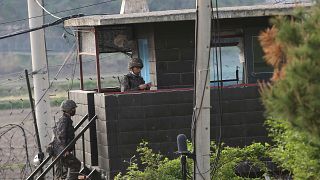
(63, 135)
(133, 81)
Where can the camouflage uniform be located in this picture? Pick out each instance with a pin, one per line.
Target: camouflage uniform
(131, 82)
(64, 133)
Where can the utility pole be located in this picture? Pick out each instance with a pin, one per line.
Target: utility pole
(202, 113)
(40, 72)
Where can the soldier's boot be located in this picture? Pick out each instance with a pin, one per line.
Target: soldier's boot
(74, 167)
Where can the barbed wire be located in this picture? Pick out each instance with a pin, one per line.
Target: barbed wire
(15, 152)
(20, 90)
(14, 97)
(11, 162)
(12, 86)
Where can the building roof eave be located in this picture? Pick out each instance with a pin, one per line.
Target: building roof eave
(183, 15)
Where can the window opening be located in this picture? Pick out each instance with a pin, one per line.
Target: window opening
(144, 56)
(113, 67)
(232, 60)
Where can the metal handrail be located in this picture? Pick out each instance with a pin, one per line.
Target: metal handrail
(44, 162)
(68, 146)
(229, 80)
(39, 168)
(81, 122)
(225, 80)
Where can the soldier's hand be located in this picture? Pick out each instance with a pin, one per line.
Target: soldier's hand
(66, 153)
(143, 86)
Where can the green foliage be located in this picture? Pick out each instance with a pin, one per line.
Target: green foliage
(8, 101)
(14, 104)
(232, 156)
(25, 103)
(293, 101)
(152, 165)
(294, 150)
(295, 97)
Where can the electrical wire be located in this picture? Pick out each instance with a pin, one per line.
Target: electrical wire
(57, 12)
(41, 27)
(193, 121)
(193, 125)
(47, 10)
(220, 90)
(50, 85)
(72, 34)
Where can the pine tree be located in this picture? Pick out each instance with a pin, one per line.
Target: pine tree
(292, 47)
(292, 98)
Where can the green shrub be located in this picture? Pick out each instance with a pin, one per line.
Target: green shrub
(154, 165)
(231, 157)
(150, 165)
(294, 150)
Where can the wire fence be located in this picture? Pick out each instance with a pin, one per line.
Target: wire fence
(17, 135)
(16, 147)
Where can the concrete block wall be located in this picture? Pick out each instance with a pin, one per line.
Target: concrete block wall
(242, 120)
(174, 47)
(85, 103)
(107, 111)
(159, 116)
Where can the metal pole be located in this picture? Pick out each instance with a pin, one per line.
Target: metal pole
(33, 112)
(183, 160)
(40, 72)
(97, 60)
(202, 113)
(80, 59)
(83, 151)
(40, 153)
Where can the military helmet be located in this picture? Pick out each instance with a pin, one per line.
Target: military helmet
(67, 105)
(135, 62)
